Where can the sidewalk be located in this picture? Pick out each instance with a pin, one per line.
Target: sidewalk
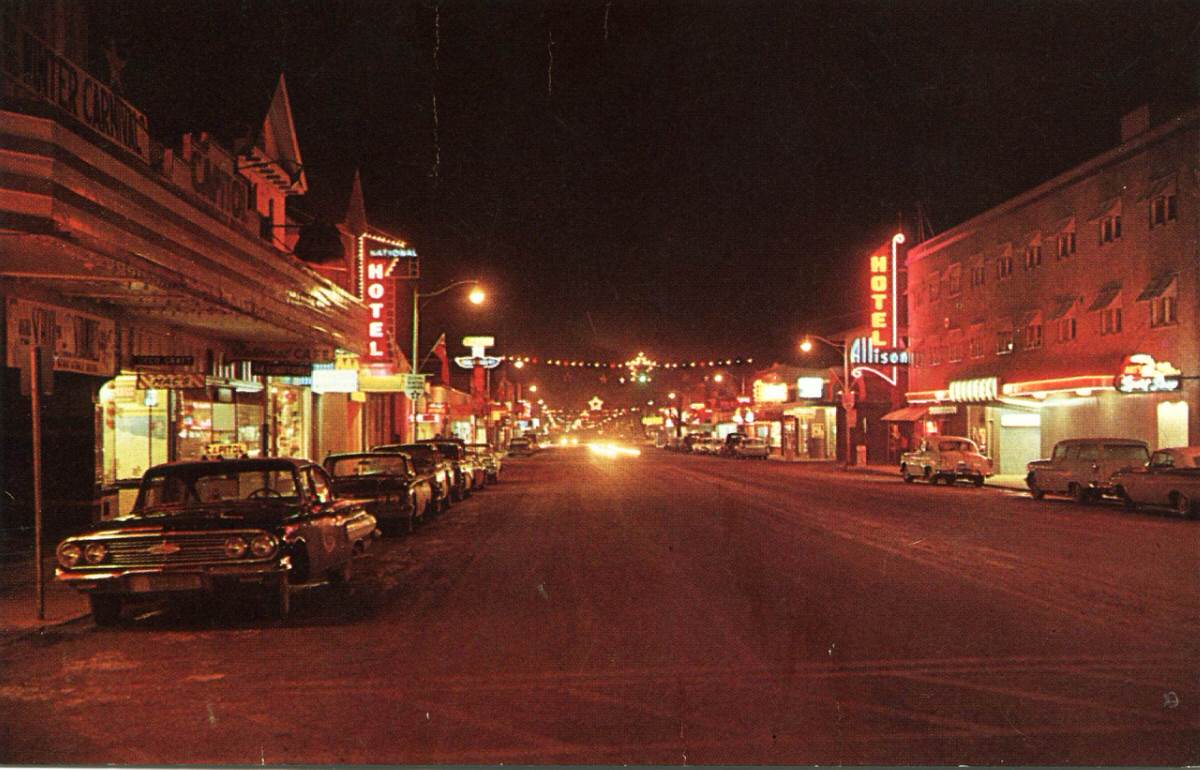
(18, 599)
(1002, 481)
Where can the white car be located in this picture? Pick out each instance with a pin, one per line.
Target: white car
(1082, 468)
(946, 458)
(751, 449)
(1171, 479)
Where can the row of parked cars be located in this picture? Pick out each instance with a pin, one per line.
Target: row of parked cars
(1085, 469)
(265, 525)
(736, 445)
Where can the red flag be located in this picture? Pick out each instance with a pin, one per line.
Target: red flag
(439, 350)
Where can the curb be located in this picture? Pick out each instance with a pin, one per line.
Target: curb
(879, 472)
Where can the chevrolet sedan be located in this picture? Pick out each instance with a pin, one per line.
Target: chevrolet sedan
(266, 524)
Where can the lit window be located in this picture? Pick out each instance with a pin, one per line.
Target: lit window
(1033, 336)
(1004, 342)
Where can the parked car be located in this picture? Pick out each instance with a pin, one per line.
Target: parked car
(519, 447)
(751, 448)
(731, 441)
(1170, 479)
(1083, 467)
(689, 441)
(948, 459)
(468, 475)
(395, 491)
(491, 460)
(216, 527)
(427, 459)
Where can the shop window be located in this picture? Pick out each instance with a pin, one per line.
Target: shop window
(134, 429)
(1110, 321)
(1110, 229)
(1066, 329)
(1066, 244)
(1163, 209)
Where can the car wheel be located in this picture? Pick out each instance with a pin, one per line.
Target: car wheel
(1181, 504)
(1125, 498)
(340, 576)
(977, 481)
(1036, 493)
(1079, 493)
(933, 478)
(106, 609)
(276, 599)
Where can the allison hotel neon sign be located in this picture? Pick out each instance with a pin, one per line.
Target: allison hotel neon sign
(1069, 311)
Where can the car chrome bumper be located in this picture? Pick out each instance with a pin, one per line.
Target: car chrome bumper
(202, 578)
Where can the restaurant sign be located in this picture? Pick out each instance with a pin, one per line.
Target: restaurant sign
(169, 380)
(1142, 374)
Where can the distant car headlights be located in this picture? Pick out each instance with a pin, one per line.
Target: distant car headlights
(95, 552)
(263, 545)
(235, 547)
(69, 554)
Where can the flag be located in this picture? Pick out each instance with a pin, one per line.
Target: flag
(439, 350)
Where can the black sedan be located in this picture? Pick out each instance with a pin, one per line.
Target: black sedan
(395, 491)
(215, 527)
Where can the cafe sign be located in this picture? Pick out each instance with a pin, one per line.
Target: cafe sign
(1142, 374)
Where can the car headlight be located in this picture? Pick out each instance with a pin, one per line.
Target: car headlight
(263, 545)
(69, 554)
(95, 553)
(235, 547)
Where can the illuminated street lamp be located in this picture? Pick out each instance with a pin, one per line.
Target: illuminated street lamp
(533, 388)
(476, 297)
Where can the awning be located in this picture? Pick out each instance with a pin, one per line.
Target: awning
(1157, 286)
(1062, 306)
(1162, 186)
(1108, 208)
(907, 414)
(1108, 292)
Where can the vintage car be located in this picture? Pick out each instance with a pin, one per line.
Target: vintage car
(491, 459)
(1082, 467)
(520, 447)
(946, 458)
(469, 474)
(751, 448)
(1171, 479)
(427, 459)
(211, 527)
(395, 492)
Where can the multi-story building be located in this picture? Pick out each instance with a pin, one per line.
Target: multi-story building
(1029, 321)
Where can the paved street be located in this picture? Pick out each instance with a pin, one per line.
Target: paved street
(668, 609)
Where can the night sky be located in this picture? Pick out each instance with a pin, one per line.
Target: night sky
(688, 179)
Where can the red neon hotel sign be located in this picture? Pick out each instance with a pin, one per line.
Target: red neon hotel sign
(377, 257)
(884, 331)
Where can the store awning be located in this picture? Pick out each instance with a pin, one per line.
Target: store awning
(1157, 286)
(1108, 292)
(907, 414)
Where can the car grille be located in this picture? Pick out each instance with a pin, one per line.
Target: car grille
(144, 551)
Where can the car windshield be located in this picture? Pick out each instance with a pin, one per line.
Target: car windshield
(1130, 452)
(197, 485)
(372, 465)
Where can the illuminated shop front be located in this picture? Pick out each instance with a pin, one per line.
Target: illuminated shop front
(794, 413)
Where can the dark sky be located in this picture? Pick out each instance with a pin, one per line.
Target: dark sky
(691, 179)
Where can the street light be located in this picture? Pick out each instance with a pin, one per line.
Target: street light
(533, 388)
(476, 297)
(806, 346)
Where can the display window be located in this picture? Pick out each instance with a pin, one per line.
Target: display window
(229, 424)
(134, 429)
(290, 420)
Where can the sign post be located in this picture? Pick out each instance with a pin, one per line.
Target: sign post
(35, 404)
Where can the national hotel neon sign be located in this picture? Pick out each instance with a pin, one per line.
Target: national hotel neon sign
(377, 259)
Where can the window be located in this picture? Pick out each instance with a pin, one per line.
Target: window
(1066, 244)
(1162, 460)
(1004, 342)
(1163, 209)
(954, 352)
(1004, 266)
(954, 280)
(1134, 453)
(978, 274)
(1164, 310)
(1066, 329)
(1089, 452)
(320, 484)
(1110, 320)
(1033, 336)
(1110, 229)
(1033, 256)
(977, 346)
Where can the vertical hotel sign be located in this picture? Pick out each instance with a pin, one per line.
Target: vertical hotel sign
(377, 260)
(882, 345)
(32, 67)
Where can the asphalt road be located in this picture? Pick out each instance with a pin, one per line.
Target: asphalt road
(668, 609)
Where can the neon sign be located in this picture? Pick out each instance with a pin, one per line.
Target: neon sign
(377, 289)
(884, 317)
(1142, 374)
(863, 351)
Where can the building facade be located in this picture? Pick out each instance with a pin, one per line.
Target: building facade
(1029, 322)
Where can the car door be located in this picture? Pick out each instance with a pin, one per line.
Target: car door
(1145, 485)
(1052, 477)
(333, 543)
